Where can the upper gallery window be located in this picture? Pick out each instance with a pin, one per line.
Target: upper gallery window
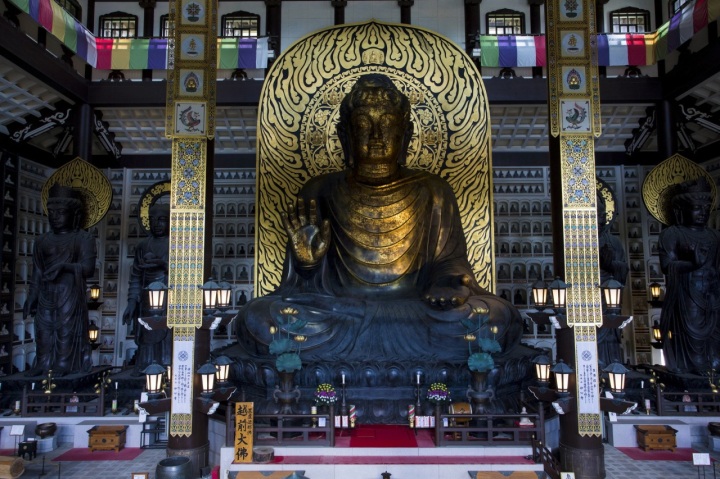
(674, 6)
(165, 26)
(505, 22)
(118, 25)
(630, 20)
(240, 24)
(72, 7)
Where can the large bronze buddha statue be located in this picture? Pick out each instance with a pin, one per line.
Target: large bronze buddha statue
(376, 263)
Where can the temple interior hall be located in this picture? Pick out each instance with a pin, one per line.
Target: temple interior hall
(94, 79)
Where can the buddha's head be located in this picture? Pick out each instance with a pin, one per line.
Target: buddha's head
(159, 218)
(374, 126)
(692, 202)
(65, 208)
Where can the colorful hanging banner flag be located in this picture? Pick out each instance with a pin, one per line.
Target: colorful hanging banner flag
(512, 51)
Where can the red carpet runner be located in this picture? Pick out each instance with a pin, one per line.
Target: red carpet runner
(383, 436)
(81, 454)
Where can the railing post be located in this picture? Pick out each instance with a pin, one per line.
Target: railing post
(331, 426)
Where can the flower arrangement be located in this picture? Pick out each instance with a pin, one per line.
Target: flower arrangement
(325, 394)
(438, 393)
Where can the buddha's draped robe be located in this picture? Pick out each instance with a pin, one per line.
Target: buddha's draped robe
(365, 300)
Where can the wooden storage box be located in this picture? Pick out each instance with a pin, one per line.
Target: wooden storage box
(655, 438)
(106, 438)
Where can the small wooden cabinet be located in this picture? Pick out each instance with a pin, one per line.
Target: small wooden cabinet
(656, 437)
(106, 438)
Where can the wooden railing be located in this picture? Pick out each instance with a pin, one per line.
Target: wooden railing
(542, 454)
(65, 404)
(287, 429)
(488, 429)
(677, 404)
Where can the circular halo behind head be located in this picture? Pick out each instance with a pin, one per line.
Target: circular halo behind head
(149, 197)
(661, 183)
(88, 182)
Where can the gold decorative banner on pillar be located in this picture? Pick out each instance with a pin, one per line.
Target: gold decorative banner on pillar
(190, 122)
(244, 431)
(574, 106)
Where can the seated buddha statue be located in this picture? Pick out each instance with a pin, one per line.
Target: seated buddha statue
(376, 262)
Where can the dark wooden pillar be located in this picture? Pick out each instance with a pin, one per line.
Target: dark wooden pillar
(339, 6)
(148, 27)
(405, 11)
(472, 26)
(536, 27)
(600, 27)
(273, 24)
(90, 24)
(83, 127)
(666, 132)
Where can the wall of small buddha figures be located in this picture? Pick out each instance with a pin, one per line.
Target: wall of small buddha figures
(523, 245)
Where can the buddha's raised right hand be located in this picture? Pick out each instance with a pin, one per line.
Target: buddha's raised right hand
(309, 240)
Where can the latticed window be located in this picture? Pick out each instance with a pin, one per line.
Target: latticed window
(505, 22)
(240, 24)
(72, 7)
(118, 25)
(630, 20)
(164, 26)
(675, 6)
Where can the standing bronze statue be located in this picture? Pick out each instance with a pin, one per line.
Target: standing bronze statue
(613, 265)
(63, 260)
(149, 265)
(690, 260)
(376, 260)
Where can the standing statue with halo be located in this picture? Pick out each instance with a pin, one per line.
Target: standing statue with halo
(681, 194)
(75, 198)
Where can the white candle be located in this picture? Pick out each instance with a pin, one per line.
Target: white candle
(343, 378)
(313, 410)
(642, 384)
(114, 404)
(418, 378)
(116, 385)
(32, 386)
(17, 404)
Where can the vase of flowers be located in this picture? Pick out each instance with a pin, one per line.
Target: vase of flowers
(438, 393)
(481, 362)
(325, 395)
(286, 342)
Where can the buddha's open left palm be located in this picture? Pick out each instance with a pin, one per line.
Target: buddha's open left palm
(308, 239)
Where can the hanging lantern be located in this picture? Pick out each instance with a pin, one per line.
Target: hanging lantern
(616, 373)
(558, 293)
(540, 293)
(207, 374)
(210, 295)
(157, 292)
(224, 295)
(562, 374)
(93, 332)
(223, 369)
(542, 369)
(612, 291)
(153, 378)
(94, 292)
(655, 291)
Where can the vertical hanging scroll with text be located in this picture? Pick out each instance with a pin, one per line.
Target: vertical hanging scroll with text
(190, 123)
(574, 106)
(244, 431)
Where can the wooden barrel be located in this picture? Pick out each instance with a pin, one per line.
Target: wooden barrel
(11, 467)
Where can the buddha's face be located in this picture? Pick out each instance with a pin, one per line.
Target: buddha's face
(60, 216)
(159, 225)
(696, 213)
(376, 134)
